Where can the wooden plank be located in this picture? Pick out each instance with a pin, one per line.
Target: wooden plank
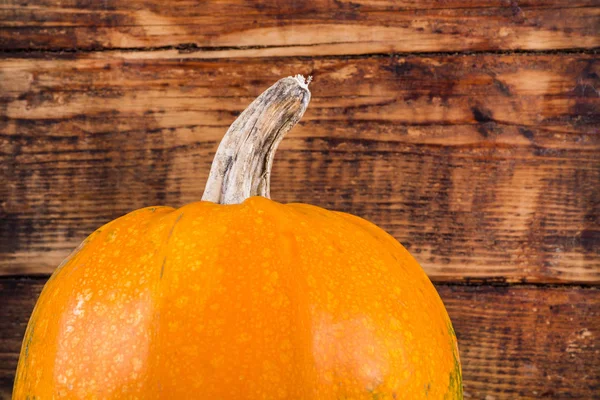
(484, 166)
(18, 297)
(524, 342)
(238, 28)
(515, 342)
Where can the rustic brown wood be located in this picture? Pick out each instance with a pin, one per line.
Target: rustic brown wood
(515, 342)
(18, 297)
(484, 166)
(523, 342)
(299, 28)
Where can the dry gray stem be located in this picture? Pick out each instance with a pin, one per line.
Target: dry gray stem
(242, 165)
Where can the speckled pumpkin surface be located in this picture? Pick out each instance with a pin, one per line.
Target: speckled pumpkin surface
(258, 300)
(250, 300)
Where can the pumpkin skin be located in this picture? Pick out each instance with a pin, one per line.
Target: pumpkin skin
(248, 301)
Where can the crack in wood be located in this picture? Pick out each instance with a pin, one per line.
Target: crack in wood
(190, 48)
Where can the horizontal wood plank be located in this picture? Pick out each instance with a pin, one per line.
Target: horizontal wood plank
(237, 28)
(515, 342)
(523, 342)
(484, 166)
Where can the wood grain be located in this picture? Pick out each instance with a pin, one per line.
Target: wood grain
(237, 28)
(515, 342)
(484, 166)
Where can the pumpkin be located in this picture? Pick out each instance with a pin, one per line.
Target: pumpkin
(240, 297)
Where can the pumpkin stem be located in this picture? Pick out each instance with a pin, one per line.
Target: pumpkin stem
(242, 164)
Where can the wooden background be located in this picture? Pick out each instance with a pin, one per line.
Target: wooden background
(469, 129)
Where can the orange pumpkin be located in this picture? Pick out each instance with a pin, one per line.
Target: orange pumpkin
(240, 297)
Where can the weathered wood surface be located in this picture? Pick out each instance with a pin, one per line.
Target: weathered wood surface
(237, 28)
(484, 166)
(516, 342)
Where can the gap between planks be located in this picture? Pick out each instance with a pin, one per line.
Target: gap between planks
(189, 50)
